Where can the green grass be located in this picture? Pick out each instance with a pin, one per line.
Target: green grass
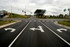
(18, 16)
(67, 23)
(55, 18)
(5, 22)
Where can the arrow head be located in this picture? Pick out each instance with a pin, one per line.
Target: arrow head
(32, 29)
(5, 29)
(12, 30)
(60, 30)
(39, 28)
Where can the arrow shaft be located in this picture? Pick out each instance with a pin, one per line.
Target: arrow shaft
(60, 30)
(12, 30)
(40, 28)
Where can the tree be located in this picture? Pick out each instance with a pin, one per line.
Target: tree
(60, 15)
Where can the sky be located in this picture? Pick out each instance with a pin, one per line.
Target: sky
(52, 7)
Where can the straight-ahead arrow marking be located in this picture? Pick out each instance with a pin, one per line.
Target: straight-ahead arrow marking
(39, 28)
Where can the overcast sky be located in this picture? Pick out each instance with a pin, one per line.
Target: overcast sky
(51, 6)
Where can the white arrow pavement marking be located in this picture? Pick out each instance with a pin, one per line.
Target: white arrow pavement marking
(60, 30)
(32, 29)
(56, 34)
(12, 30)
(40, 28)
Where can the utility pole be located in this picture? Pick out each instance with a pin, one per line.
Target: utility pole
(25, 10)
(11, 11)
(69, 15)
(25, 13)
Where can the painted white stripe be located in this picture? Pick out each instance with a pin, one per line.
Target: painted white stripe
(12, 29)
(18, 35)
(34, 20)
(39, 28)
(60, 30)
(56, 34)
(26, 21)
(47, 21)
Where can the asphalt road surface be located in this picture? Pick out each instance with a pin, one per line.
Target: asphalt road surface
(35, 32)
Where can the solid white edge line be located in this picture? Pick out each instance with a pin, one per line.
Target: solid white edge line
(18, 35)
(56, 34)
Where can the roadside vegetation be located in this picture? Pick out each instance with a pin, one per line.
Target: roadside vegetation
(47, 17)
(5, 22)
(67, 23)
(60, 16)
(17, 16)
(14, 15)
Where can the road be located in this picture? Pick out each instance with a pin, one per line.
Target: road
(35, 32)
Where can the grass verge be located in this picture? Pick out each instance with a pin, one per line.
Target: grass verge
(5, 22)
(18, 16)
(66, 23)
(48, 18)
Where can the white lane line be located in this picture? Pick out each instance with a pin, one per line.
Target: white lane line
(56, 34)
(18, 35)
(43, 21)
(47, 21)
(34, 20)
(26, 21)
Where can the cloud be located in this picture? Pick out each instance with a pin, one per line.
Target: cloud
(51, 6)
